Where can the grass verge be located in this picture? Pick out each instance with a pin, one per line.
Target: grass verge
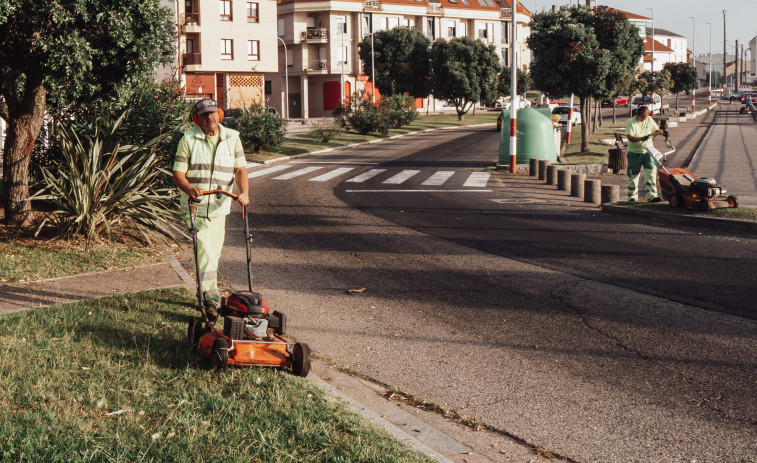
(113, 380)
(306, 142)
(738, 213)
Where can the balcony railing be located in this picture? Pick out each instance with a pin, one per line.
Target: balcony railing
(372, 4)
(191, 59)
(505, 12)
(317, 65)
(318, 33)
(190, 19)
(434, 8)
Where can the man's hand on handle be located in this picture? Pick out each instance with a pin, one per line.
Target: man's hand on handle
(243, 199)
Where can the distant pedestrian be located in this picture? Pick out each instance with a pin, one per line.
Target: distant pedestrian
(639, 129)
(749, 102)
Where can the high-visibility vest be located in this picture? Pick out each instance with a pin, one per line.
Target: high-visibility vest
(219, 176)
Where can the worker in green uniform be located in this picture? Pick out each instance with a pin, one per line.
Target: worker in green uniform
(639, 130)
(210, 157)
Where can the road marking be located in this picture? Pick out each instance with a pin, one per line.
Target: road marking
(417, 191)
(269, 170)
(329, 175)
(297, 173)
(439, 178)
(337, 162)
(401, 177)
(477, 179)
(368, 174)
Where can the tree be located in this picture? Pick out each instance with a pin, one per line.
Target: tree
(684, 77)
(401, 57)
(464, 72)
(589, 53)
(523, 82)
(66, 52)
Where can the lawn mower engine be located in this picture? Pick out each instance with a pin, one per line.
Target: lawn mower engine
(246, 315)
(684, 189)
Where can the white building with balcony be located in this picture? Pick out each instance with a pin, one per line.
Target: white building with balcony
(321, 39)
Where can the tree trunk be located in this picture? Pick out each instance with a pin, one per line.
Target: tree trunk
(676, 103)
(24, 125)
(585, 124)
(599, 112)
(613, 112)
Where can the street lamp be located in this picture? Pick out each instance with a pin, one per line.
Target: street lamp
(652, 41)
(342, 24)
(286, 79)
(373, 71)
(709, 78)
(694, 60)
(514, 103)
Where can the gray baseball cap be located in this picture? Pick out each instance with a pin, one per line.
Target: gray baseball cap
(206, 105)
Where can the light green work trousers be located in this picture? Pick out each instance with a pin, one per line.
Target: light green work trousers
(210, 236)
(635, 162)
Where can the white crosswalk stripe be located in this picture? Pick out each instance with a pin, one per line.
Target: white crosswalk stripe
(367, 175)
(333, 174)
(401, 177)
(477, 179)
(439, 178)
(297, 173)
(270, 170)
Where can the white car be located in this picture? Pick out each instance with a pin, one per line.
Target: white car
(648, 102)
(505, 103)
(563, 111)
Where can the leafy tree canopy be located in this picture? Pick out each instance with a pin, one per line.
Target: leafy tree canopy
(659, 82)
(683, 76)
(523, 82)
(401, 57)
(464, 72)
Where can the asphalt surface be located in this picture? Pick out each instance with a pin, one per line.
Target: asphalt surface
(596, 337)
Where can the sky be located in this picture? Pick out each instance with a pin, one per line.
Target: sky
(674, 15)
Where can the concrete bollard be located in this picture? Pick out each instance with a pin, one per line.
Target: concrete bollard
(543, 169)
(610, 194)
(533, 167)
(577, 185)
(563, 180)
(551, 175)
(592, 191)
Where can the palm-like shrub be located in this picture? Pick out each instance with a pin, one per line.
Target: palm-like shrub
(93, 193)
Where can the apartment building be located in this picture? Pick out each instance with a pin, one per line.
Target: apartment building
(319, 44)
(224, 49)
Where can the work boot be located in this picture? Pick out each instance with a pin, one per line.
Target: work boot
(212, 304)
(654, 200)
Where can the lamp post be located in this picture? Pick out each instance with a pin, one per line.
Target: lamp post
(342, 53)
(513, 98)
(286, 79)
(725, 58)
(373, 72)
(652, 40)
(709, 78)
(694, 60)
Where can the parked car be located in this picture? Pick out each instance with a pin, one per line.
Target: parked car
(654, 105)
(563, 111)
(754, 97)
(735, 95)
(505, 104)
(616, 101)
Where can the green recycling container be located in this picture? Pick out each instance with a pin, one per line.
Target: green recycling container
(536, 136)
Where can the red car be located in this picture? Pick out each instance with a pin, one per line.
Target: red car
(617, 101)
(754, 97)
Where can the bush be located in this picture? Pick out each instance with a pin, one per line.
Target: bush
(93, 192)
(399, 110)
(363, 116)
(328, 130)
(259, 129)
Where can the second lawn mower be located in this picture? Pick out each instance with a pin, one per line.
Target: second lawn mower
(251, 334)
(684, 189)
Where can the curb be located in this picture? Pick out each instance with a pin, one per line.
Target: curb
(731, 225)
(353, 145)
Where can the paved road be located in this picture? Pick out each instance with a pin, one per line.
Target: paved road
(554, 323)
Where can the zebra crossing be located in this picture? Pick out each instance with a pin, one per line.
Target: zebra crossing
(382, 176)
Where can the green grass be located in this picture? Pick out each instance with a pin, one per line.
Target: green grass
(597, 151)
(738, 213)
(30, 259)
(307, 142)
(63, 370)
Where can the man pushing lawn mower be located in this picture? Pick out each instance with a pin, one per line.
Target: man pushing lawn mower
(210, 157)
(639, 129)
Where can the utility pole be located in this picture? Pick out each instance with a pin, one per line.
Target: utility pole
(725, 59)
(736, 68)
(709, 76)
(286, 79)
(514, 103)
(694, 60)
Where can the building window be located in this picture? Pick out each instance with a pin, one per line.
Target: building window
(190, 45)
(341, 24)
(451, 29)
(188, 6)
(268, 89)
(505, 32)
(341, 55)
(409, 23)
(367, 24)
(430, 31)
(280, 27)
(227, 49)
(225, 10)
(253, 50)
(252, 12)
(482, 32)
(391, 23)
(506, 56)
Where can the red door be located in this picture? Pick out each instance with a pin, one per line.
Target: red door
(331, 95)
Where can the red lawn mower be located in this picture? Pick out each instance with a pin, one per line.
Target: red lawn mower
(251, 334)
(684, 189)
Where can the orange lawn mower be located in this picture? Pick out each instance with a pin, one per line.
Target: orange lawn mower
(251, 334)
(684, 189)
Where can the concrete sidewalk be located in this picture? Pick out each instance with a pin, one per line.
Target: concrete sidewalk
(728, 154)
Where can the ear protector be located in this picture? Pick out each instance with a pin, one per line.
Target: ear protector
(196, 120)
